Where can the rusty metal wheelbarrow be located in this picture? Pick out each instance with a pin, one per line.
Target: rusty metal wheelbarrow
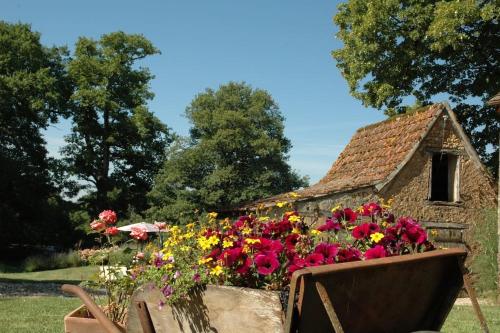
(396, 294)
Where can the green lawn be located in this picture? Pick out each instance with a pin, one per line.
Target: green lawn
(45, 314)
(35, 314)
(463, 320)
(56, 275)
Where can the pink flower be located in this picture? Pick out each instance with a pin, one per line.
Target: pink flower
(139, 255)
(377, 252)
(330, 224)
(139, 233)
(329, 251)
(266, 263)
(97, 225)
(108, 216)
(112, 231)
(314, 259)
(161, 225)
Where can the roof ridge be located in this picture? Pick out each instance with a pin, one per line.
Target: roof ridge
(413, 113)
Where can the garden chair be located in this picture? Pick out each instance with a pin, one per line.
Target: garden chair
(395, 294)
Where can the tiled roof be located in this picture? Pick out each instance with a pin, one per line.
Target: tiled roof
(372, 155)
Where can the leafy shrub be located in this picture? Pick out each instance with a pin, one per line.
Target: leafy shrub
(54, 261)
(484, 265)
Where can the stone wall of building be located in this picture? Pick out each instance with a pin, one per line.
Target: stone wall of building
(411, 187)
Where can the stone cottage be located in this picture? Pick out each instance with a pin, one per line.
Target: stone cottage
(423, 160)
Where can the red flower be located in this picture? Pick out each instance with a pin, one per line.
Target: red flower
(365, 230)
(371, 209)
(411, 231)
(329, 251)
(266, 263)
(229, 257)
(139, 233)
(377, 252)
(346, 214)
(244, 267)
(314, 259)
(268, 245)
(330, 224)
(296, 264)
(108, 216)
(349, 254)
(112, 231)
(290, 241)
(97, 225)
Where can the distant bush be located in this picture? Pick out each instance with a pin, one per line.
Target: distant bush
(484, 264)
(54, 261)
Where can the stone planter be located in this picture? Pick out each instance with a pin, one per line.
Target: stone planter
(81, 321)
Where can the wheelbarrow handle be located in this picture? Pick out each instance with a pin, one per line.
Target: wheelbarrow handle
(93, 308)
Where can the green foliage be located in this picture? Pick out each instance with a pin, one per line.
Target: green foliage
(32, 95)
(116, 145)
(54, 261)
(396, 49)
(484, 264)
(236, 153)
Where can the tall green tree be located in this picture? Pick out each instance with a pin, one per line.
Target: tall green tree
(236, 153)
(395, 50)
(116, 145)
(32, 95)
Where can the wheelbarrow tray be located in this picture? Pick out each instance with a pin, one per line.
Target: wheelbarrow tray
(395, 294)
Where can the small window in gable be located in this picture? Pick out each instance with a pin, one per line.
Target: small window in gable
(444, 177)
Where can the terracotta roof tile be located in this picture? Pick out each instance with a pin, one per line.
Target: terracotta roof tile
(373, 153)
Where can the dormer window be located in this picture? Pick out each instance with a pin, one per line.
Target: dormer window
(444, 177)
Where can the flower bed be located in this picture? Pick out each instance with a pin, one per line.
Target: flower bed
(262, 252)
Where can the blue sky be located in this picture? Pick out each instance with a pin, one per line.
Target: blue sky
(282, 46)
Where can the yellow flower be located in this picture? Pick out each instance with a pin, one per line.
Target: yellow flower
(204, 260)
(281, 204)
(212, 215)
(295, 231)
(217, 270)
(188, 235)
(207, 243)
(294, 218)
(185, 248)
(252, 240)
(434, 233)
(315, 232)
(376, 237)
(263, 218)
(338, 207)
(175, 229)
(190, 225)
(294, 195)
(227, 243)
(246, 231)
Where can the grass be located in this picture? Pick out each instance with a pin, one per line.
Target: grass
(463, 320)
(45, 314)
(35, 314)
(56, 275)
